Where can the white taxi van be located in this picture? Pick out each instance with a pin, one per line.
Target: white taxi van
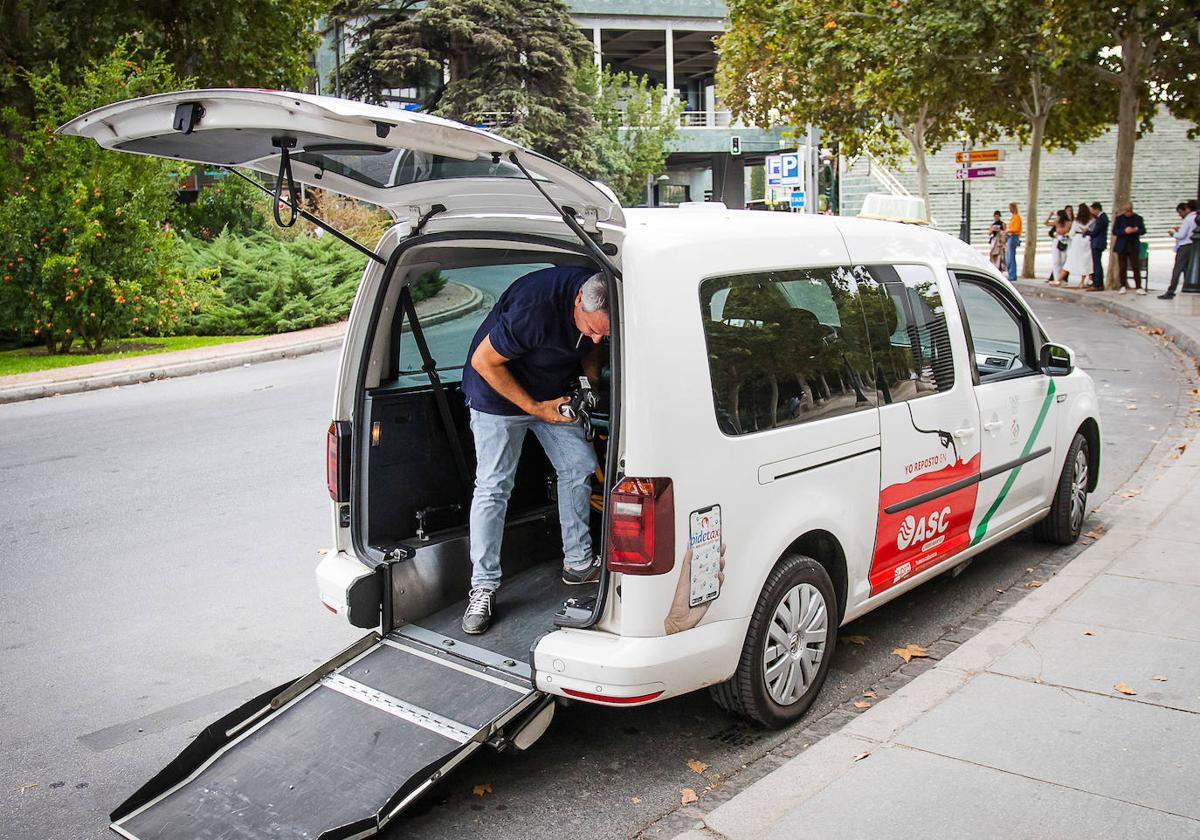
(802, 418)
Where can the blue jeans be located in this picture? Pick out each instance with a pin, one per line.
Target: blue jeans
(498, 440)
(1011, 257)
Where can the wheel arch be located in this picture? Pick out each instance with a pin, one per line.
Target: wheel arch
(827, 550)
(1090, 430)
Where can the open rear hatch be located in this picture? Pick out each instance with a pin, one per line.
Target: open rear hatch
(395, 159)
(342, 751)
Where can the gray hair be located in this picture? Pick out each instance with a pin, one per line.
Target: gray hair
(594, 294)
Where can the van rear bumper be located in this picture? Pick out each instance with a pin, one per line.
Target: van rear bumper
(631, 671)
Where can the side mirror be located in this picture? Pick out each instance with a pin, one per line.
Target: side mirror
(1057, 360)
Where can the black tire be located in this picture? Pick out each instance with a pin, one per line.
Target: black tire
(747, 692)
(1064, 522)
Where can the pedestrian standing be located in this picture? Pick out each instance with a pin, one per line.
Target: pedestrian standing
(1128, 230)
(1182, 234)
(1098, 234)
(1060, 233)
(996, 237)
(1079, 254)
(1014, 239)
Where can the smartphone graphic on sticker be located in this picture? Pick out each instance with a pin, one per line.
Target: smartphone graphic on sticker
(704, 537)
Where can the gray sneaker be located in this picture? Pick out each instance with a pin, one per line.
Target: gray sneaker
(578, 577)
(478, 616)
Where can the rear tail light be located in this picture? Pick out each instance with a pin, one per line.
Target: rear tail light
(337, 461)
(641, 526)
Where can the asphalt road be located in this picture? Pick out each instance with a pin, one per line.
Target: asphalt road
(156, 570)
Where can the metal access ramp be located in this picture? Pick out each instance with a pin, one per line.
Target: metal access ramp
(342, 751)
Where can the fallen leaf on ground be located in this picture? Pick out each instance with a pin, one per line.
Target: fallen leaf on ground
(1131, 407)
(1124, 689)
(1033, 584)
(861, 704)
(1131, 494)
(1001, 591)
(636, 800)
(688, 796)
(1029, 568)
(909, 651)
(482, 790)
(29, 787)
(1160, 677)
(1089, 633)
(697, 766)
(869, 693)
(1096, 533)
(1182, 448)
(861, 756)
(856, 640)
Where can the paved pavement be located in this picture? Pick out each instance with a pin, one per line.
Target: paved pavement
(1076, 715)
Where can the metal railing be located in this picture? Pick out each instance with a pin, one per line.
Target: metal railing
(706, 119)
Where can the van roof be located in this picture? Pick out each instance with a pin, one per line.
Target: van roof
(868, 240)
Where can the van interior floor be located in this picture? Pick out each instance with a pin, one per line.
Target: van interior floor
(525, 608)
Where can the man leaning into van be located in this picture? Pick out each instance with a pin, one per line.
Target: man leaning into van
(544, 328)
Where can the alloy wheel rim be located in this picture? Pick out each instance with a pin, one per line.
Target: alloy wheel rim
(795, 643)
(1079, 481)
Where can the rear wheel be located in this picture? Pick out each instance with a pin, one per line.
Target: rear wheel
(1065, 520)
(788, 646)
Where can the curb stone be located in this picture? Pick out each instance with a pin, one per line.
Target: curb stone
(235, 356)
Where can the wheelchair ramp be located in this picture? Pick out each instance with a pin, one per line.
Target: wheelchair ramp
(340, 752)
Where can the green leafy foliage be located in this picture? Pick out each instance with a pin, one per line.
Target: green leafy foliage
(251, 43)
(259, 284)
(634, 122)
(84, 256)
(511, 66)
(230, 205)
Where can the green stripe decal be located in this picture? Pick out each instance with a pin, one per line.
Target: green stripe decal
(981, 529)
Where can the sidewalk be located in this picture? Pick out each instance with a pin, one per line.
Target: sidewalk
(1075, 715)
(457, 300)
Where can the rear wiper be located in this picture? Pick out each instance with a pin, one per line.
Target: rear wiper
(568, 216)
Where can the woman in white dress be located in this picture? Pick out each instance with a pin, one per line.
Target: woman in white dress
(1079, 249)
(1060, 235)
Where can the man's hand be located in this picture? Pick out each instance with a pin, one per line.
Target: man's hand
(548, 410)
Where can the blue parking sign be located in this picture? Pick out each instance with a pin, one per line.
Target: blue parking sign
(790, 171)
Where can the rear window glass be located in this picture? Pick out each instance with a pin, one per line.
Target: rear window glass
(786, 347)
(381, 167)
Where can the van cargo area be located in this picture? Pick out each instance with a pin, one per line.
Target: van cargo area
(341, 751)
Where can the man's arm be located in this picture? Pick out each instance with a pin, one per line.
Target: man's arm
(494, 369)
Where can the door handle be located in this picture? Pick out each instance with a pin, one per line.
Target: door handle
(963, 434)
(993, 425)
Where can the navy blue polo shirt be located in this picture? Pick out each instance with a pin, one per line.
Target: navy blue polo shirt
(533, 325)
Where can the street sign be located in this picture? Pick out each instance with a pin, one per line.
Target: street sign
(773, 171)
(797, 200)
(979, 156)
(791, 169)
(975, 172)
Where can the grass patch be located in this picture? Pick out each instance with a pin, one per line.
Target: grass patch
(30, 359)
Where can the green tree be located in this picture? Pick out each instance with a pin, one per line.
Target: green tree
(635, 120)
(84, 256)
(504, 63)
(252, 43)
(871, 73)
(1041, 89)
(1147, 52)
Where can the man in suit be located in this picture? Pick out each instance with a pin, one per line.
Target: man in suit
(1099, 238)
(1128, 230)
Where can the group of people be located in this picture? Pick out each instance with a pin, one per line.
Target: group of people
(1082, 235)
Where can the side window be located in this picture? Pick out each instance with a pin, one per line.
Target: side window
(910, 341)
(786, 347)
(998, 331)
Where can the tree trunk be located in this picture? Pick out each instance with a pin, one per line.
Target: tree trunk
(922, 175)
(914, 132)
(1127, 116)
(1038, 124)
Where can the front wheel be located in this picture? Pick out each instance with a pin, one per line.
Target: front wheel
(788, 647)
(1064, 522)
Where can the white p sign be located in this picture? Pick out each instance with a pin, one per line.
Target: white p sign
(791, 172)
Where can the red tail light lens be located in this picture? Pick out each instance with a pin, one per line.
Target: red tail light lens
(641, 526)
(337, 461)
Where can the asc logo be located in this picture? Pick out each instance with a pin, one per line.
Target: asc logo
(917, 531)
